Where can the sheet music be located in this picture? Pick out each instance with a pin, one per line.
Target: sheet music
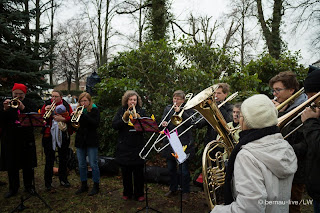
(177, 147)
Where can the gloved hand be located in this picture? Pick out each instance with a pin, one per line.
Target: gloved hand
(125, 116)
(138, 116)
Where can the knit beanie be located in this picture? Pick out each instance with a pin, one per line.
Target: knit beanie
(259, 112)
(21, 87)
(312, 81)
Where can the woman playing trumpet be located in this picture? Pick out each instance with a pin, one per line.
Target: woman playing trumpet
(87, 143)
(129, 145)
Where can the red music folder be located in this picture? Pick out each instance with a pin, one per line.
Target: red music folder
(31, 119)
(145, 124)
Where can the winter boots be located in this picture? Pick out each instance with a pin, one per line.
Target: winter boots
(95, 189)
(84, 188)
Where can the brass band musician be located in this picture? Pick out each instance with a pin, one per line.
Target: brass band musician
(284, 85)
(50, 145)
(18, 150)
(186, 139)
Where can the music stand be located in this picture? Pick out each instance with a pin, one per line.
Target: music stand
(32, 192)
(145, 124)
(179, 154)
(30, 120)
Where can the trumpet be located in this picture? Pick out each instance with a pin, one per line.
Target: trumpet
(133, 112)
(14, 103)
(177, 119)
(48, 113)
(76, 117)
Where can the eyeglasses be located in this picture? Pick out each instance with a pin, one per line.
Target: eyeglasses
(277, 90)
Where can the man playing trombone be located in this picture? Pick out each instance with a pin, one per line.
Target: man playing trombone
(284, 86)
(186, 139)
(18, 150)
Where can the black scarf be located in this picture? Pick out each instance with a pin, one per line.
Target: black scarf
(245, 137)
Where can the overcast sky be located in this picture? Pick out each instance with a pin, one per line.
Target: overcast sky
(214, 9)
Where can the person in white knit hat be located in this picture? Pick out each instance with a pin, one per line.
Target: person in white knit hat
(261, 166)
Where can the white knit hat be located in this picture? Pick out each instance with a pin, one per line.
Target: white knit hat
(258, 112)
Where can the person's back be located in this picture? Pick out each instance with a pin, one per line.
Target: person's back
(262, 165)
(271, 158)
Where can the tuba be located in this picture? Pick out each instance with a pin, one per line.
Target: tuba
(216, 152)
(76, 117)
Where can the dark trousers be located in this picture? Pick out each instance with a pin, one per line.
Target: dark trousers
(50, 157)
(296, 195)
(175, 176)
(14, 180)
(133, 173)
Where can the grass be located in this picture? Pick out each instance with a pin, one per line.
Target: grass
(108, 200)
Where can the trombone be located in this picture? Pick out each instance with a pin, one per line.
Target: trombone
(48, 113)
(76, 117)
(220, 105)
(288, 118)
(292, 98)
(145, 146)
(188, 96)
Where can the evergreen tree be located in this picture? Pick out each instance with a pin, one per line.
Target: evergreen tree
(18, 62)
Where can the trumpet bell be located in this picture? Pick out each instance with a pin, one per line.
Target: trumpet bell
(76, 125)
(14, 103)
(176, 120)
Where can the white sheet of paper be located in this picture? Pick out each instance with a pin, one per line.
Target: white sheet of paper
(177, 147)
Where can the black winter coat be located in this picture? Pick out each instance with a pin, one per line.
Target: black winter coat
(297, 140)
(18, 148)
(185, 139)
(311, 131)
(130, 142)
(87, 132)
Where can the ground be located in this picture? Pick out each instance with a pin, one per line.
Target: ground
(108, 200)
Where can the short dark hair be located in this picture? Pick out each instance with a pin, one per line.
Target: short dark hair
(287, 78)
(225, 87)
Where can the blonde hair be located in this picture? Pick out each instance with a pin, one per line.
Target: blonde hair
(88, 96)
(127, 95)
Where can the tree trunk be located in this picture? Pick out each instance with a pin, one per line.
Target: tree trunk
(37, 32)
(272, 37)
(51, 44)
(99, 34)
(27, 28)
